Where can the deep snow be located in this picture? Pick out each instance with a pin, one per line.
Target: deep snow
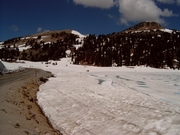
(82, 100)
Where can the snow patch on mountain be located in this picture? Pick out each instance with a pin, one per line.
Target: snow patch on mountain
(23, 47)
(77, 33)
(80, 39)
(166, 30)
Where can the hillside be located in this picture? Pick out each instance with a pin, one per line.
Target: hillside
(145, 26)
(40, 46)
(146, 43)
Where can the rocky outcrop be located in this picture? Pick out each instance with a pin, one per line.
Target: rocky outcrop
(145, 26)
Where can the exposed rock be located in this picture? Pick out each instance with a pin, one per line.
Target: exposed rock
(144, 26)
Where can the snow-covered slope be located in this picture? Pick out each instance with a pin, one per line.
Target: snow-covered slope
(77, 33)
(80, 39)
(23, 47)
(166, 30)
(114, 100)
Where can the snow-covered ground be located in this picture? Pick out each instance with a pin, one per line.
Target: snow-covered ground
(77, 33)
(23, 47)
(6, 67)
(87, 100)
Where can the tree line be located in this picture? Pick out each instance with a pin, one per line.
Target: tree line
(151, 48)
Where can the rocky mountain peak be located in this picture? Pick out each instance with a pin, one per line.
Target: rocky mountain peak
(145, 26)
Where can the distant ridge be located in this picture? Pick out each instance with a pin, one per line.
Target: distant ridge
(147, 43)
(45, 33)
(144, 26)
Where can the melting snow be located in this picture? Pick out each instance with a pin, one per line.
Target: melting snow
(78, 46)
(44, 36)
(23, 47)
(35, 37)
(111, 100)
(47, 43)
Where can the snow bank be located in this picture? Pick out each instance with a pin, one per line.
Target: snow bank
(110, 100)
(2, 67)
(11, 67)
(100, 102)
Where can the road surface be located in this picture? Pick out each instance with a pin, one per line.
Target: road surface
(8, 78)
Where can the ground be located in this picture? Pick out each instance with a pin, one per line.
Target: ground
(19, 112)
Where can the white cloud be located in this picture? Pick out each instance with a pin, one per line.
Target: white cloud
(133, 10)
(96, 3)
(39, 29)
(142, 10)
(14, 27)
(167, 1)
(168, 13)
(178, 2)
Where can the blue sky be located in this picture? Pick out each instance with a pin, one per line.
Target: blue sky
(25, 17)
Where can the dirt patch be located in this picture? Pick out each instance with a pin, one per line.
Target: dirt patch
(19, 112)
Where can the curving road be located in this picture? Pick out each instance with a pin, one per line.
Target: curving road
(8, 78)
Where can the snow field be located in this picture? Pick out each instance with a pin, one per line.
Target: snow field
(79, 105)
(110, 100)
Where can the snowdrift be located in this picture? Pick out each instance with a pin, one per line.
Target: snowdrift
(2, 67)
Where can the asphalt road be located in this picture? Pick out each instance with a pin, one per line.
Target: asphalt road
(8, 78)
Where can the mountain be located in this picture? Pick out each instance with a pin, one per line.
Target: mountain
(40, 46)
(145, 26)
(147, 43)
(47, 36)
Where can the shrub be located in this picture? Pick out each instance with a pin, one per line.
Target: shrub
(42, 79)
